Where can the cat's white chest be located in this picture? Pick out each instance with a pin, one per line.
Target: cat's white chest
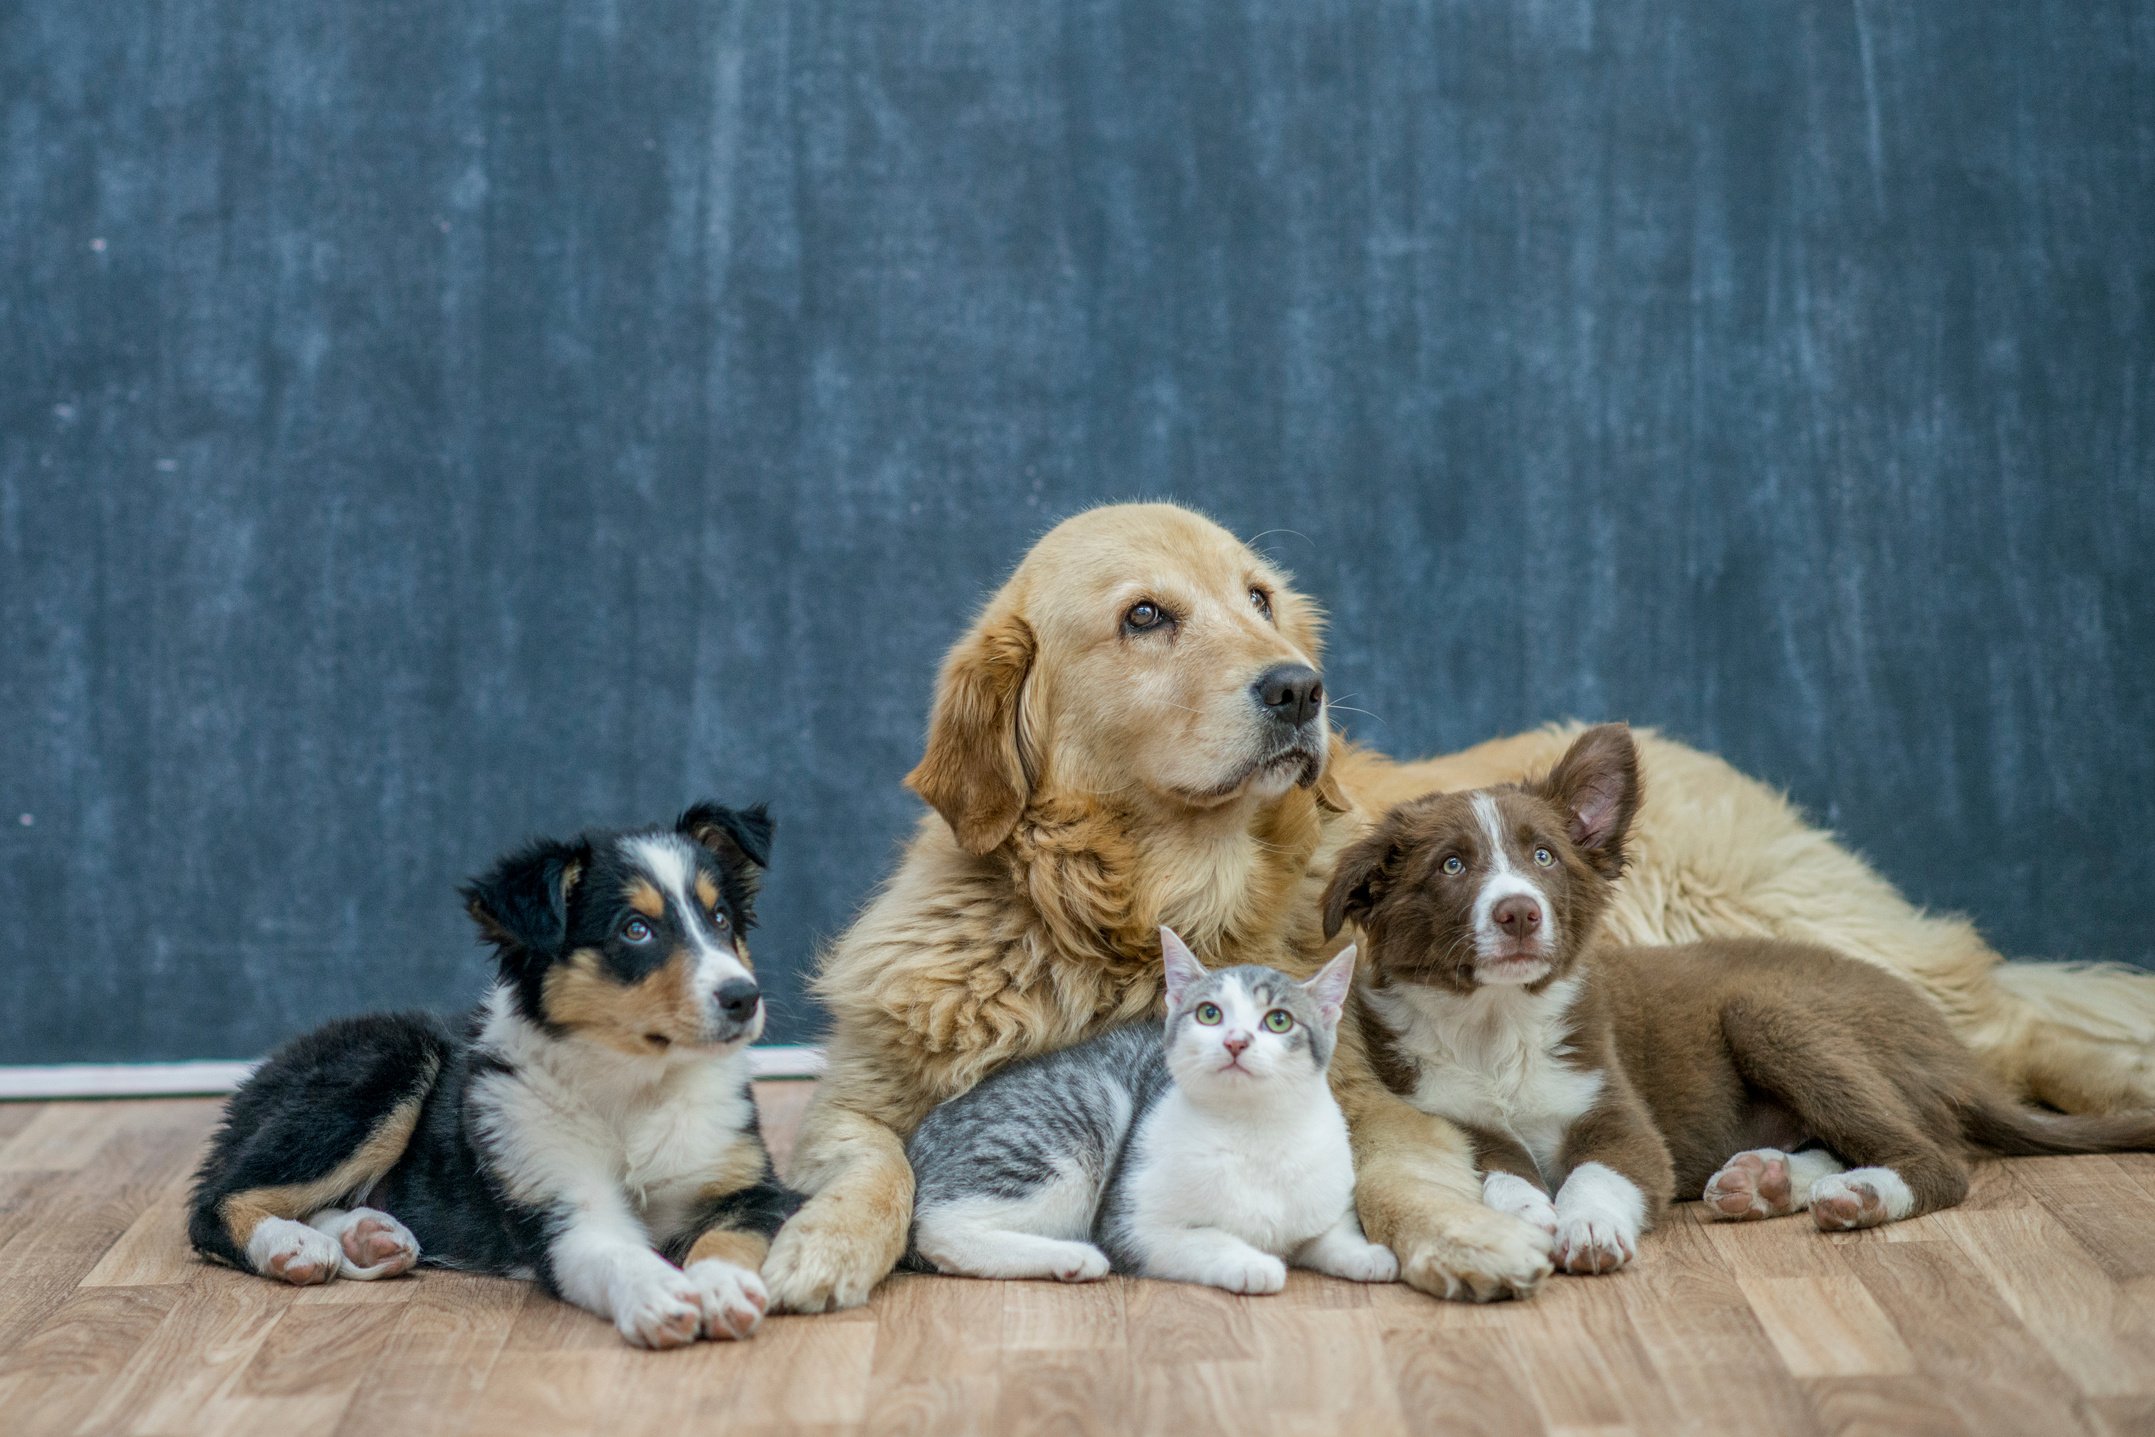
(1496, 1059)
(1274, 1182)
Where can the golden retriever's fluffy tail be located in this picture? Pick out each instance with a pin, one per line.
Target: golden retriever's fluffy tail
(2085, 1033)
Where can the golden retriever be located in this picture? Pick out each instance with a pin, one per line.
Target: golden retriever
(1132, 733)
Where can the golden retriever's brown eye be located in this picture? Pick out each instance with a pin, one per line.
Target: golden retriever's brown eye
(1262, 602)
(1143, 616)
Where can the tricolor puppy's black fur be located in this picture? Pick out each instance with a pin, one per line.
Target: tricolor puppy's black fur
(590, 1125)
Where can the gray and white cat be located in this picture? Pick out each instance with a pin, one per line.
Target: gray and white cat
(1207, 1153)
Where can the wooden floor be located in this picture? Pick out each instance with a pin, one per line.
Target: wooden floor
(2030, 1310)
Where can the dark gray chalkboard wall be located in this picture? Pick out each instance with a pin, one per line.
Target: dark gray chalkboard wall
(428, 422)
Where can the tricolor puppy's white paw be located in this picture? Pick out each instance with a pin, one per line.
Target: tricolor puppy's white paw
(659, 1310)
(1510, 1193)
(1599, 1214)
(732, 1298)
(374, 1244)
(293, 1252)
(1860, 1197)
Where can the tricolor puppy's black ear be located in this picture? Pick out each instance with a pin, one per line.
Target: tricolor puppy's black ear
(1364, 871)
(521, 904)
(1596, 786)
(738, 838)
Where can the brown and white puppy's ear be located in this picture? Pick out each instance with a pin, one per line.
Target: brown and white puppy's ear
(1363, 873)
(1596, 786)
(973, 772)
(1328, 990)
(740, 839)
(1183, 969)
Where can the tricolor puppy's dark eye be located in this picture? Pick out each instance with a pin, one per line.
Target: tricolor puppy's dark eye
(718, 919)
(1208, 1014)
(1453, 867)
(636, 930)
(1261, 601)
(1142, 616)
(1544, 857)
(1279, 1020)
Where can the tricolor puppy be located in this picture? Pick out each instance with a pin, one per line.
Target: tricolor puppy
(590, 1125)
(1771, 1076)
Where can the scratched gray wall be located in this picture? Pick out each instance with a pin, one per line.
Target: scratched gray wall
(428, 422)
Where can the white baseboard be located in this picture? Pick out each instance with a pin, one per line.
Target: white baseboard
(173, 1080)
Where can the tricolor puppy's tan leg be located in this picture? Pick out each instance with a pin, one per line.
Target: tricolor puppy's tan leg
(852, 1231)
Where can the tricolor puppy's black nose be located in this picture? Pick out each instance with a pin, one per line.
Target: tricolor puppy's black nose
(738, 997)
(1291, 693)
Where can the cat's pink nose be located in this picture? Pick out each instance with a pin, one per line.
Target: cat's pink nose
(1235, 1042)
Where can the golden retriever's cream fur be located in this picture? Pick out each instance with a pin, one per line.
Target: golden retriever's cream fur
(1091, 783)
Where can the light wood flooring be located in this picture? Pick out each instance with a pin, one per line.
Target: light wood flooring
(2030, 1310)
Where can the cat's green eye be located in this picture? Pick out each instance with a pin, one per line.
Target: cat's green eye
(1453, 867)
(1208, 1014)
(1544, 857)
(1279, 1020)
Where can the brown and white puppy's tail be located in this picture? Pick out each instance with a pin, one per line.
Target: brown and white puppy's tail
(1998, 1125)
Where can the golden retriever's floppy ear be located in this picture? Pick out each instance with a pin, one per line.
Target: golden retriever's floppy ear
(973, 773)
(1364, 871)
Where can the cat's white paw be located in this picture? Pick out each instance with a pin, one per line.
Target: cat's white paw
(1085, 1263)
(1510, 1193)
(732, 1298)
(659, 1310)
(1259, 1272)
(1373, 1262)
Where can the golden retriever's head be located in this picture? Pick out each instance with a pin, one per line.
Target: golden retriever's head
(1140, 653)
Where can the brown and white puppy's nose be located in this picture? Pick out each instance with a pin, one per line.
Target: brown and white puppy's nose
(737, 998)
(1518, 917)
(1291, 693)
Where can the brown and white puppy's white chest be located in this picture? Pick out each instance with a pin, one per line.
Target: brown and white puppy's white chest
(1500, 1057)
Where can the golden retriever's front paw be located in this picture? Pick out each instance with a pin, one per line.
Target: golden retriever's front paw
(1475, 1254)
(818, 1264)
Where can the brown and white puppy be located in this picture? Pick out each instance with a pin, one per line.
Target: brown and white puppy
(1768, 1075)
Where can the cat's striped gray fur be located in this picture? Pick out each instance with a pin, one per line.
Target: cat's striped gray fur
(1206, 1151)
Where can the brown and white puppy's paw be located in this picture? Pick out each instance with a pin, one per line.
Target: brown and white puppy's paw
(1599, 1214)
(819, 1263)
(293, 1252)
(1752, 1185)
(374, 1244)
(1510, 1193)
(732, 1298)
(1476, 1254)
(1860, 1197)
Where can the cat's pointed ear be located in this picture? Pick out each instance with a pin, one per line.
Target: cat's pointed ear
(1329, 988)
(1183, 969)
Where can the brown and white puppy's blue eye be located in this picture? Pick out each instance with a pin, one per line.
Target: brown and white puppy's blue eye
(1544, 857)
(636, 931)
(1453, 867)
(1279, 1020)
(1261, 601)
(1208, 1014)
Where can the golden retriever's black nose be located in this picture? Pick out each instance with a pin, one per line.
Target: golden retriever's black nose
(1291, 693)
(737, 998)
